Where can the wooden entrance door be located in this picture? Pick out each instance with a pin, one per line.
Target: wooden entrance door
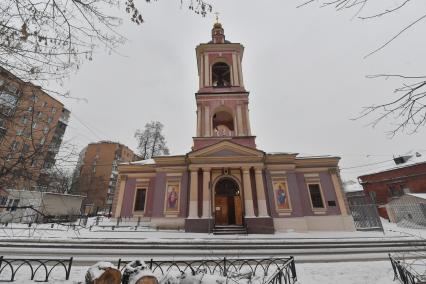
(221, 210)
(228, 207)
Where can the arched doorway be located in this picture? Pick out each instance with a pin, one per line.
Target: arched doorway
(228, 209)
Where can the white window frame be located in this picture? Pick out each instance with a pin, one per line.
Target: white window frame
(140, 212)
(317, 210)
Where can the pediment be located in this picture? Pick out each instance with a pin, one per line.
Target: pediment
(226, 149)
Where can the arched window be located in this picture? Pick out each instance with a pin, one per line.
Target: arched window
(221, 75)
(223, 123)
(227, 187)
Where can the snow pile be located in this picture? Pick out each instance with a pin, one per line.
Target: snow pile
(135, 271)
(96, 271)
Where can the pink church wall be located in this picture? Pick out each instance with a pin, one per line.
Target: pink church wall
(150, 197)
(158, 198)
(300, 199)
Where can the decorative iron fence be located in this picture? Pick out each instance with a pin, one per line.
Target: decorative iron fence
(273, 270)
(404, 275)
(9, 267)
(409, 215)
(366, 217)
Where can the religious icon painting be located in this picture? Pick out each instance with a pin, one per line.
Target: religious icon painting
(172, 198)
(281, 196)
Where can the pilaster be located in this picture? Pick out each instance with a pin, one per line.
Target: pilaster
(248, 196)
(260, 190)
(193, 195)
(206, 193)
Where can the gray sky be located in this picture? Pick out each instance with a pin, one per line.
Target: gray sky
(304, 69)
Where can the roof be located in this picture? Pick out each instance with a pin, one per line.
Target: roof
(418, 195)
(142, 162)
(352, 186)
(407, 160)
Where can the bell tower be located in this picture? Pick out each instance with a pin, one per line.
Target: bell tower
(222, 100)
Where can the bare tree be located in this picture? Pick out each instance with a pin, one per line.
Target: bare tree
(151, 141)
(407, 107)
(45, 40)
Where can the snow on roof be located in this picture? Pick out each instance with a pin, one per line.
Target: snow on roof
(143, 162)
(409, 159)
(418, 195)
(352, 186)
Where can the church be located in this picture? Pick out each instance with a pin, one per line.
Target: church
(225, 184)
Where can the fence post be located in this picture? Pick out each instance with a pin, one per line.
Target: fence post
(224, 267)
(119, 263)
(293, 268)
(150, 264)
(67, 276)
(139, 221)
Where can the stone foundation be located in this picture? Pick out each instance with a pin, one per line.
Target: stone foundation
(261, 225)
(315, 223)
(199, 225)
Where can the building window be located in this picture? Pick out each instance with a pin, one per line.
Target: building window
(221, 75)
(13, 203)
(25, 148)
(3, 200)
(14, 146)
(53, 110)
(19, 132)
(45, 130)
(316, 195)
(395, 191)
(24, 120)
(140, 199)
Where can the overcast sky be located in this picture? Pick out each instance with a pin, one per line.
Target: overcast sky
(304, 69)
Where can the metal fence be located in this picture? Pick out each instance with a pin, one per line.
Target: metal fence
(405, 275)
(366, 217)
(38, 269)
(410, 215)
(272, 270)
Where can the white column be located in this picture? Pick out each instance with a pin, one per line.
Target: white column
(339, 191)
(120, 193)
(248, 196)
(240, 72)
(235, 70)
(235, 126)
(247, 120)
(206, 193)
(260, 190)
(206, 71)
(206, 121)
(199, 133)
(240, 121)
(193, 195)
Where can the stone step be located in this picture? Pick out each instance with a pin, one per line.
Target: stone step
(229, 230)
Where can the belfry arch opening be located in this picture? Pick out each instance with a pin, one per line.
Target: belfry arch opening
(223, 123)
(221, 75)
(228, 208)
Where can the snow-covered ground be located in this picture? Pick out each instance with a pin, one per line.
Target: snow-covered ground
(377, 272)
(130, 233)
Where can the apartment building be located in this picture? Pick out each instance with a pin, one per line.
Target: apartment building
(97, 173)
(32, 125)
